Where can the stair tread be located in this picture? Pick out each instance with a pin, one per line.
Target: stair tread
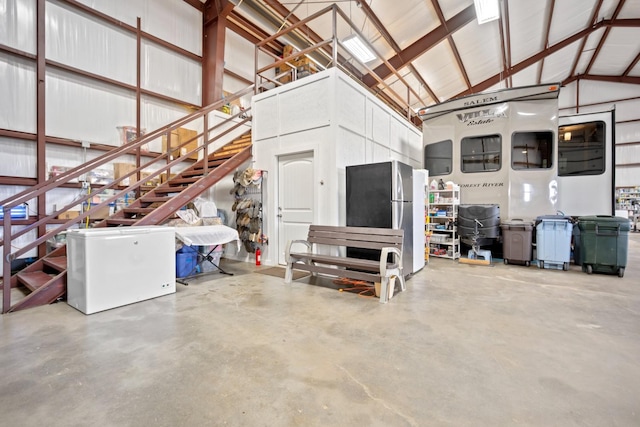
(137, 210)
(34, 279)
(57, 262)
(154, 199)
(121, 221)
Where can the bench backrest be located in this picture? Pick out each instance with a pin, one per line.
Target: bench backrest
(355, 237)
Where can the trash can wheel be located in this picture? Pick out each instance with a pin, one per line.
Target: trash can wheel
(527, 263)
(589, 269)
(621, 272)
(565, 266)
(506, 261)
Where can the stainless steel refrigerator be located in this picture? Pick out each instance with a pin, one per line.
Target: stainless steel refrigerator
(380, 195)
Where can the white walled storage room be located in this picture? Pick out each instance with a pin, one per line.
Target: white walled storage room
(360, 212)
(337, 125)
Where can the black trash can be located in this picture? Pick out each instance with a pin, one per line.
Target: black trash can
(604, 243)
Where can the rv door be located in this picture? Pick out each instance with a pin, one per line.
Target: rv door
(586, 162)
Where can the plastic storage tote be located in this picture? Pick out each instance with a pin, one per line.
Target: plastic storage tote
(516, 242)
(186, 261)
(553, 241)
(604, 243)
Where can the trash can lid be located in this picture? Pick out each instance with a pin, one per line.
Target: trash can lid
(516, 224)
(541, 218)
(589, 222)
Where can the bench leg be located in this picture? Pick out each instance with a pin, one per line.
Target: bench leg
(402, 285)
(384, 290)
(288, 273)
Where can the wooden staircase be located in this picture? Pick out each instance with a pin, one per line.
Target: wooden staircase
(46, 279)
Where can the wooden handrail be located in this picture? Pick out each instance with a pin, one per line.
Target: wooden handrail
(209, 135)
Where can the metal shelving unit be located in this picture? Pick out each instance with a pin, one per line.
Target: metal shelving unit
(442, 224)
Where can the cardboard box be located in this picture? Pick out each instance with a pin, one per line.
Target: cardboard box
(121, 169)
(163, 177)
(179, 136)
(287, 51)
(101, 213)
(69, 215)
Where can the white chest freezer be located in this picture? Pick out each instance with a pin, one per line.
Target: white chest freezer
(112, 267)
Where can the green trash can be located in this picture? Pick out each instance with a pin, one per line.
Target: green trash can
(604, 243)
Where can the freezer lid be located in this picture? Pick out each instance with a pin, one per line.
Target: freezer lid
(91, 233)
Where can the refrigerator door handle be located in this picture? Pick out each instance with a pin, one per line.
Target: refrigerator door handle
(400, 188)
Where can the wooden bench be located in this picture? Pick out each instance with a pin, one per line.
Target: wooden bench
(388, 241)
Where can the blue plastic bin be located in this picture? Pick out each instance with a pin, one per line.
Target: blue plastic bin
(186, 261)
(553, 241)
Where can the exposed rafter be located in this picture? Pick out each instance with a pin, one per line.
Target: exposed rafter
(594, 16)
(548, 20)
(600, 78)
(452, 43)
(424, 43)
(546, 52)
(632, 65)
(387, 36)
(506, 49)
(603, 39)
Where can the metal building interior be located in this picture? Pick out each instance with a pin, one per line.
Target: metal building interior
(88, 83)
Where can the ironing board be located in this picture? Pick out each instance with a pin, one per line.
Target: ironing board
(207, 235)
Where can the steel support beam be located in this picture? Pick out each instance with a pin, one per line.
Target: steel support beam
(215, 25)
(41, 145)
(603, 39)
(423, 44)
(495, 79)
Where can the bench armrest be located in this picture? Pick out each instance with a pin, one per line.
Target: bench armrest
(293, 242)
(383, 259)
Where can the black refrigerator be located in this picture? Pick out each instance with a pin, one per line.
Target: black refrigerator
(379, 195)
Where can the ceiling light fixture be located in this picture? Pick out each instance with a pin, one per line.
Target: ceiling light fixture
(358, 48)
(486, 10)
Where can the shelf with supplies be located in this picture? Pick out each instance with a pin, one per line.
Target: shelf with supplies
(442, 223)
(627, 198)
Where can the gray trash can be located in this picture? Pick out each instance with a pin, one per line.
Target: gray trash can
(516, 242)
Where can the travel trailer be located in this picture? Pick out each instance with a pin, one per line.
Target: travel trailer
(510, 148)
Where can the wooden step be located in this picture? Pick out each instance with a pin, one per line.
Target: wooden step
(154, 199)
(192, 173)
(51, 291)
(212, 164)
(58, 263)
(227, 154)
(183, 180)
(34, 279)
(137, 211)
(114, 222)
(168, 190)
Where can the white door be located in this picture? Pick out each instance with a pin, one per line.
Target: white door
(586, 164)
(295, 199)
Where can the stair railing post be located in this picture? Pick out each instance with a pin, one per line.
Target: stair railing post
(6, 260)
(205, 142)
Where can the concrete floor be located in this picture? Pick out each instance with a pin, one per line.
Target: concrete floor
(463, 346)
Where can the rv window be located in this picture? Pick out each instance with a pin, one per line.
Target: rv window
(531, 150)
(438, 158)
(481, 153)
(581, 149)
